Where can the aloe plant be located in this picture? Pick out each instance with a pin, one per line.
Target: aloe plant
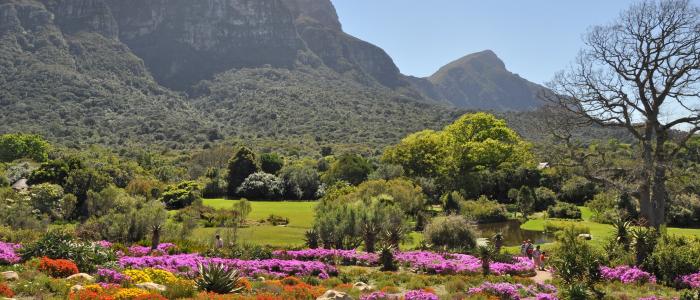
(219, 279)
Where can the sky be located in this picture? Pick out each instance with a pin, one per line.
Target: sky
(535, 38)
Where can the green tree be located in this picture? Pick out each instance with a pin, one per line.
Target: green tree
(422, 154)
(181, 195)
(80, 182)
(240, 166)
(302, 181)
(271, 163)
(348, 167)
(16, 146)
(526, 200)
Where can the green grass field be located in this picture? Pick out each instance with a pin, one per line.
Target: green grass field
(301, 218)
(601, 232)
(300, 213)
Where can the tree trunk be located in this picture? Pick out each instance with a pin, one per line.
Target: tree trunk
(659, 193)
(645, 205)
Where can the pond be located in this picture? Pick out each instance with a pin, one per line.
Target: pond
(512, 234)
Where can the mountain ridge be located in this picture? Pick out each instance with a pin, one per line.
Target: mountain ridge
(180, 73)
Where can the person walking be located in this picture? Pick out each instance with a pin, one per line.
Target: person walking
(536, 256)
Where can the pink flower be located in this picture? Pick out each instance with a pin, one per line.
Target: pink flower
(627, 274)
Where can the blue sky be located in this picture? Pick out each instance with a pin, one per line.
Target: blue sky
(534, 38)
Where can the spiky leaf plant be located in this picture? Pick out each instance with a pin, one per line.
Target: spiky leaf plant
(217, 278)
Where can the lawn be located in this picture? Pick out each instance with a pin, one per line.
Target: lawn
(300, 213)
(601, 232)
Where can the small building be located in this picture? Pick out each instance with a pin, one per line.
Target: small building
(21, 185)
(543, 165)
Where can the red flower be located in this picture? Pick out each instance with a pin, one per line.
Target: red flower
(5, 291)
(57, 268)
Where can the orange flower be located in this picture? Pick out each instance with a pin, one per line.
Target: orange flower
(57, 268)
(6, 291)
(88, 295)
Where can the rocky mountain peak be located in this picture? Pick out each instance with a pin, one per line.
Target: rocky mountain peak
(319, 11)
(484, 61)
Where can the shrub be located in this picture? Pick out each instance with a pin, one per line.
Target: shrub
(555, 227)
(544, 198)
(450, 233)
(684, 210)
(484, 210)
(150, 297)
(350, 168)
(301, 181)
(564, 210)
(673, 257)
(57, 268)
(262, 186)
(576, 262)
(180, 289)
(271, 163)
(240, 166)
(577, 190)
(181, 195)
(61, 245)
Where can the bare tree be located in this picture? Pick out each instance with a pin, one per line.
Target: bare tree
(642, 73)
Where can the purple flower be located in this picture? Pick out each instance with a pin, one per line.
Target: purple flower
(104, 244)
(8, 254)
(420, 295)
(692, 280)
(111, 276)
(543, 296)
(374, 296)
(143, 250)
(503, 290)
(187, 265)
(627, 274)
(350, 257)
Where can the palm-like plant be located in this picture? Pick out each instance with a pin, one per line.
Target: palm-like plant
(219, 279)
(311, 238)
(622, 232)
(486, 254)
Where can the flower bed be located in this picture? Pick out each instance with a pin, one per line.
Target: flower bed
(514, 291)
(627, 274)
(8, 253)
(435, 263)
(692, 280)
(348, 257)
(186, 265)
(143, 250)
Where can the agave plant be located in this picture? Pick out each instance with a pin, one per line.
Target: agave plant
(219, 279)
(622, 232)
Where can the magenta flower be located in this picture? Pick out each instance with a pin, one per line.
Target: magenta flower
(626, 274)
(8, 254)
(420, 295)
(692, 280)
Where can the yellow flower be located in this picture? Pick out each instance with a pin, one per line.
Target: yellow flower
(128, 294)
(160, 276)
(138, 276)
(93, 287)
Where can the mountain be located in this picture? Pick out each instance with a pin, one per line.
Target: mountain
(183, 73)
(480, 81)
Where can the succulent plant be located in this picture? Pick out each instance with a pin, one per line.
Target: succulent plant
(219, 279)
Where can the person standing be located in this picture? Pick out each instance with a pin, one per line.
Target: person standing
(523, 249)
(529, 249)
(536, 256)
(219, 242)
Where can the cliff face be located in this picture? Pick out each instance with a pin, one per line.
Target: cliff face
(185, 41)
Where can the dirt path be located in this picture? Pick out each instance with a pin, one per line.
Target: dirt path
(542, 276)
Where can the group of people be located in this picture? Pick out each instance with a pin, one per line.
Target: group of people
(534, 253)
